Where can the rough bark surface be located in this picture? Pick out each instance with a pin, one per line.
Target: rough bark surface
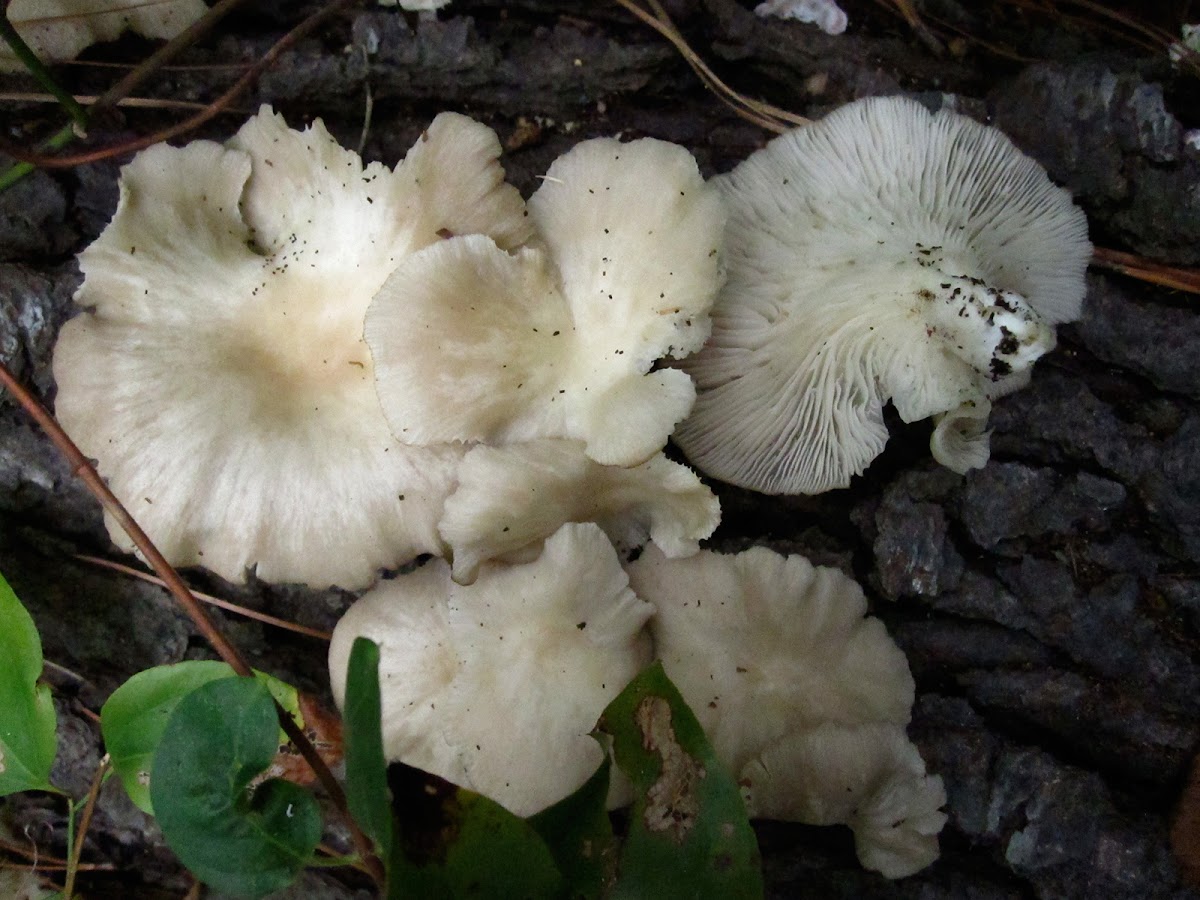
(1049, 603)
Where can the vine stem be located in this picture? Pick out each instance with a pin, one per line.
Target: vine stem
(85, 822)
(84, 470)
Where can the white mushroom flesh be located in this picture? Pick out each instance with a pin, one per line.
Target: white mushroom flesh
(869, 777)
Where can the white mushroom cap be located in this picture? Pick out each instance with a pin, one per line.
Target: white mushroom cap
(762, 646)
(869, 777)
(61, 29)
(538, 650)
(881, 253)
(219, 373)
(474, 344)
(510, 498)
(409, 618)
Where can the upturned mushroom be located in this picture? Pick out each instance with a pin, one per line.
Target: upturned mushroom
(496, 686)
(218, 371)
(472, 343)
(882, 253)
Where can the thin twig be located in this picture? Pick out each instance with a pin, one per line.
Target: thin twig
(213, 109)
(117, 92)
(908, 11)
(1176, 277)
(32, 853)
(96, 485)
(178, 67)
(85, 822)
(99, 489)
(208, 598)
(168, 51)
(91, 99)
(762, 114)
(46, 866)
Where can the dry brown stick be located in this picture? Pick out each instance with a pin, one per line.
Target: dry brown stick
(908, 11)
(167, 52)
(95, 484)
(762, 114)
(208, 598)
(33, 853)
(51, 161)
(1176, 277)
(44, 865)
(93, 99)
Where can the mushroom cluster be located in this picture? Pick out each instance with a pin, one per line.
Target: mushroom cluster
(316, 369)
(243, 415)
(882, 253)
(218, 372)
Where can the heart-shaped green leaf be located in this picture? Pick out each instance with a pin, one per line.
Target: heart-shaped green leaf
(242, 840)
(133, 718)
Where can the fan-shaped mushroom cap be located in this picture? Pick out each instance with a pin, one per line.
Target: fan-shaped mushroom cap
(474, 344)
(869, 777)
(882, 252)
(800, 694)
(218, 372)
(762, 645)
(409, 619)
(538, 652)
(510, 498)
(61, 29)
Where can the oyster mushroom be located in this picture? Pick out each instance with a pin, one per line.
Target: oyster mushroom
(883, 253)
(472, 343)
(496, 686)
(218, 371)
(869, 777)
(803, 697)
(509, 499)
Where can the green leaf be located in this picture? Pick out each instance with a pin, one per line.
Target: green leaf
(455, 843)
(27, 718)
(688, 833)
(241, 841)
(435, 839)
(366, 769)
(133, 719)
(135, 716)
(579, 834)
